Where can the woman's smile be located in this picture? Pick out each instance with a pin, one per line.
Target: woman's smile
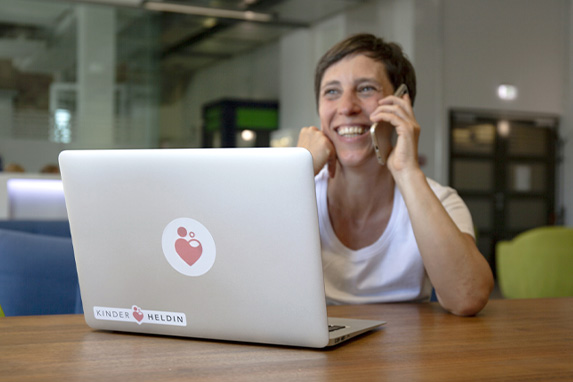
(351, 131)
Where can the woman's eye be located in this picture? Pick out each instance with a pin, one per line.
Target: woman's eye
(330, 92)
(366, 89)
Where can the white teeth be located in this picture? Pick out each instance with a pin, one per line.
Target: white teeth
(351, 131)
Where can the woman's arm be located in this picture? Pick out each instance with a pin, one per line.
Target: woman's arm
(459, 272)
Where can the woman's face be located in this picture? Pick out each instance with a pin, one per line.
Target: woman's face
(349, 93)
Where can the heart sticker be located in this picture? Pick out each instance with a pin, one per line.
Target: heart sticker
(189, 250)
(188, 247)
(137, 314)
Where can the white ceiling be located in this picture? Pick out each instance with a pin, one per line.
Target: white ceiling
(36, 33)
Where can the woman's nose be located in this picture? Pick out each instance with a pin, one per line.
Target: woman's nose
(349, 104)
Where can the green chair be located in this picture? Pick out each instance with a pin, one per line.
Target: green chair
(1, 311)
(536, 263)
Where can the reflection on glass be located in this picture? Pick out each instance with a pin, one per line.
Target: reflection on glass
(526, 140)
(62, 128)
(503, 128)
(44, 74)
(473, 139)
(526, 177)
(472, 175)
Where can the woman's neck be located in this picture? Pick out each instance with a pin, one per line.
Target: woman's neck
(361, 191)
(360, 205)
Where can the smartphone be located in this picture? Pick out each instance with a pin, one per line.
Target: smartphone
(381, 153)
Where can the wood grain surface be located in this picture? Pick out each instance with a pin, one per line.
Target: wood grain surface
(517, 340)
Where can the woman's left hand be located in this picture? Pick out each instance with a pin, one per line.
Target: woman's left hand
(399, 114)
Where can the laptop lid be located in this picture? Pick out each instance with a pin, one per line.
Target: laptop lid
(208, 243)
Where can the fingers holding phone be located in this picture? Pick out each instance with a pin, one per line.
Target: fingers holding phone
(381, 142)
(398, 115)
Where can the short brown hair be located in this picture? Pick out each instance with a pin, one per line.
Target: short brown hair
(398, 68)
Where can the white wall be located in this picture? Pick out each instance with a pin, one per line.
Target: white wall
(297, 53)
(525, 44)
(429, 106)
(490, 42)
(253, 76)
(300, 51)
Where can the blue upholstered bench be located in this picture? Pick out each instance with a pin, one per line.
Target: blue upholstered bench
(37, 269)
(60, 228)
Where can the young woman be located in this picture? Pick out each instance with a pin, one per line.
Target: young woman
(388, 233)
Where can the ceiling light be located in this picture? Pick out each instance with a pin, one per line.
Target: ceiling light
(507, 92)
(210, 22)
(248, 135)
(503, 128)
(207, 12)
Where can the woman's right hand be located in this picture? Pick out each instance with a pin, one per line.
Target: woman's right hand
(320, 147)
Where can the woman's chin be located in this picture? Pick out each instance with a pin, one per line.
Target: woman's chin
(355, 158)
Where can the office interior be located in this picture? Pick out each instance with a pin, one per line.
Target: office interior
(493, 75)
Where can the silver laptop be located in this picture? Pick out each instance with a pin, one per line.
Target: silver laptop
(207, 243)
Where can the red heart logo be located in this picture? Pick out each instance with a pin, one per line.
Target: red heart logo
(190, 251)
(137, 314)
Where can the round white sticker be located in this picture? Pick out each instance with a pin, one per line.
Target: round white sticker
(188, 247)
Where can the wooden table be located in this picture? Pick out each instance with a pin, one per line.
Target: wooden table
(509, 340)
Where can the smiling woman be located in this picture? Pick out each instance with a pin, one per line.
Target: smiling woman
(388, 233)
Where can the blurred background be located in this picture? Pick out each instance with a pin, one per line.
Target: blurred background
(495, 87)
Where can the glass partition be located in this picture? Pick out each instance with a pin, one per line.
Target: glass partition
(51, 71)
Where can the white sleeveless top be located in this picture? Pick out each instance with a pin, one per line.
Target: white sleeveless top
(389, 270)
